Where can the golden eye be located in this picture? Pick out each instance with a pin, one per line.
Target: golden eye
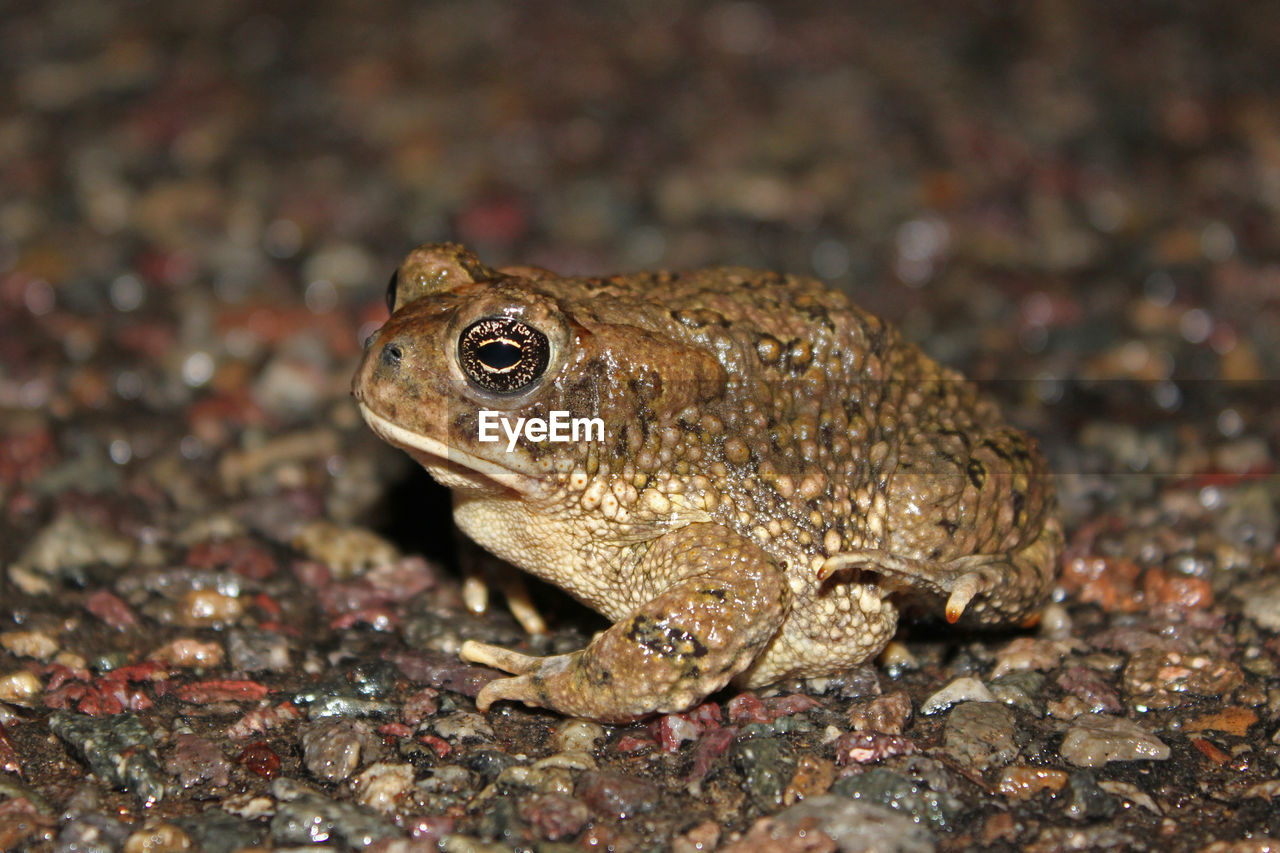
(503, 355)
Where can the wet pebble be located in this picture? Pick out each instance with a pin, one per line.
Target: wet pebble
(553, 816)
(981, 733)
(29, 644)
(813, 777)
(196, 760)
(331, 750)
(206, 608)
(615, 794)
(1095, 740)
(117, 748)
(19, 687)
(66, 545)
(1261, 601)
(963, 689)
(463, 727)
(1090, 687)
(347, 551)
(902, 794)
(766, 766)
(258, 651)
(306, 818)
(1022, 689)
(159, 837)
(888, 714)
(490, 763)
(1022, 782)
(870, 747)
(1085, 800)
(349, 706)
(21, 822)
(1157, 678)
(578, 735)
(189, 653)
(384, 786)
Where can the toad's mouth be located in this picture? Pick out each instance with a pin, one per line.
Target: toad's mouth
(450, 466)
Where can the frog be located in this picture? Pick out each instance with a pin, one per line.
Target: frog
(779, 476)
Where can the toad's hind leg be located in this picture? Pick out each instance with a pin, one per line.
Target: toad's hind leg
(986, 589)
(717, 601)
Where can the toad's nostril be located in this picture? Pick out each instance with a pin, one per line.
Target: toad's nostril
(392, 354)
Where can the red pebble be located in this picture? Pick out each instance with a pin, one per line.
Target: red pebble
(203, 692)
(260, 758)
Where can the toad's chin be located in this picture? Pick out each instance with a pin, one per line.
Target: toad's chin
(449, 466)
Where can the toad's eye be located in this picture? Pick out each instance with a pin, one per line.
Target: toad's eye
(391, 291)
(502, 354)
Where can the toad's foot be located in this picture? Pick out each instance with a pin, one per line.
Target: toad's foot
(673, 650)
(988, 589)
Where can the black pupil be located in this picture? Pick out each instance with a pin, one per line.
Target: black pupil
(503, 354)
(499, 355)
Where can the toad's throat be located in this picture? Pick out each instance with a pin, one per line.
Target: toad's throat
(450, 466)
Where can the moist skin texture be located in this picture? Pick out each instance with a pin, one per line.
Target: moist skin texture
(779, 471)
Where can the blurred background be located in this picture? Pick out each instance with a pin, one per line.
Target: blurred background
(1076, 202)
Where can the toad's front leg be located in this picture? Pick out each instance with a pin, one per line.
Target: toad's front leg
(720, 600)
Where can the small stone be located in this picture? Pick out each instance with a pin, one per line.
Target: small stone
(1091, 689)
(1085, 800)
(1031, 653)
(189, 653)
(29, 644)
(703, 837)
(67, 544)
(384, 786)
(616, 794)
(331, 750)
(766, 768)
(19, 687)
(553, 816)
(813, 778)
(1094, 740)
(305, 818)
(1231, 720)
(500, 823)
(578, 735)
(195, 760)
(1161, 678)
(1022, 782)
(870, 747)
(117, 748)
(1022, 689)
(887, 714)
(964, 689)
(857, 827)
(981, 733)
(490, 763)
(898, 792)
(463, 727)
(207, 608)
(347, 551)
(158, 838)
(258, 651)
(1261, 601)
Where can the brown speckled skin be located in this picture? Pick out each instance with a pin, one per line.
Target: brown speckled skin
(779, 469)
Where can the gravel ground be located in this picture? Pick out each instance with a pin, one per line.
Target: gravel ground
(229, 616)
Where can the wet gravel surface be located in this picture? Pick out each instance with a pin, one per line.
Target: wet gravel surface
(229, 616)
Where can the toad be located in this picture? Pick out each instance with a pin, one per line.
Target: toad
(778, 471)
